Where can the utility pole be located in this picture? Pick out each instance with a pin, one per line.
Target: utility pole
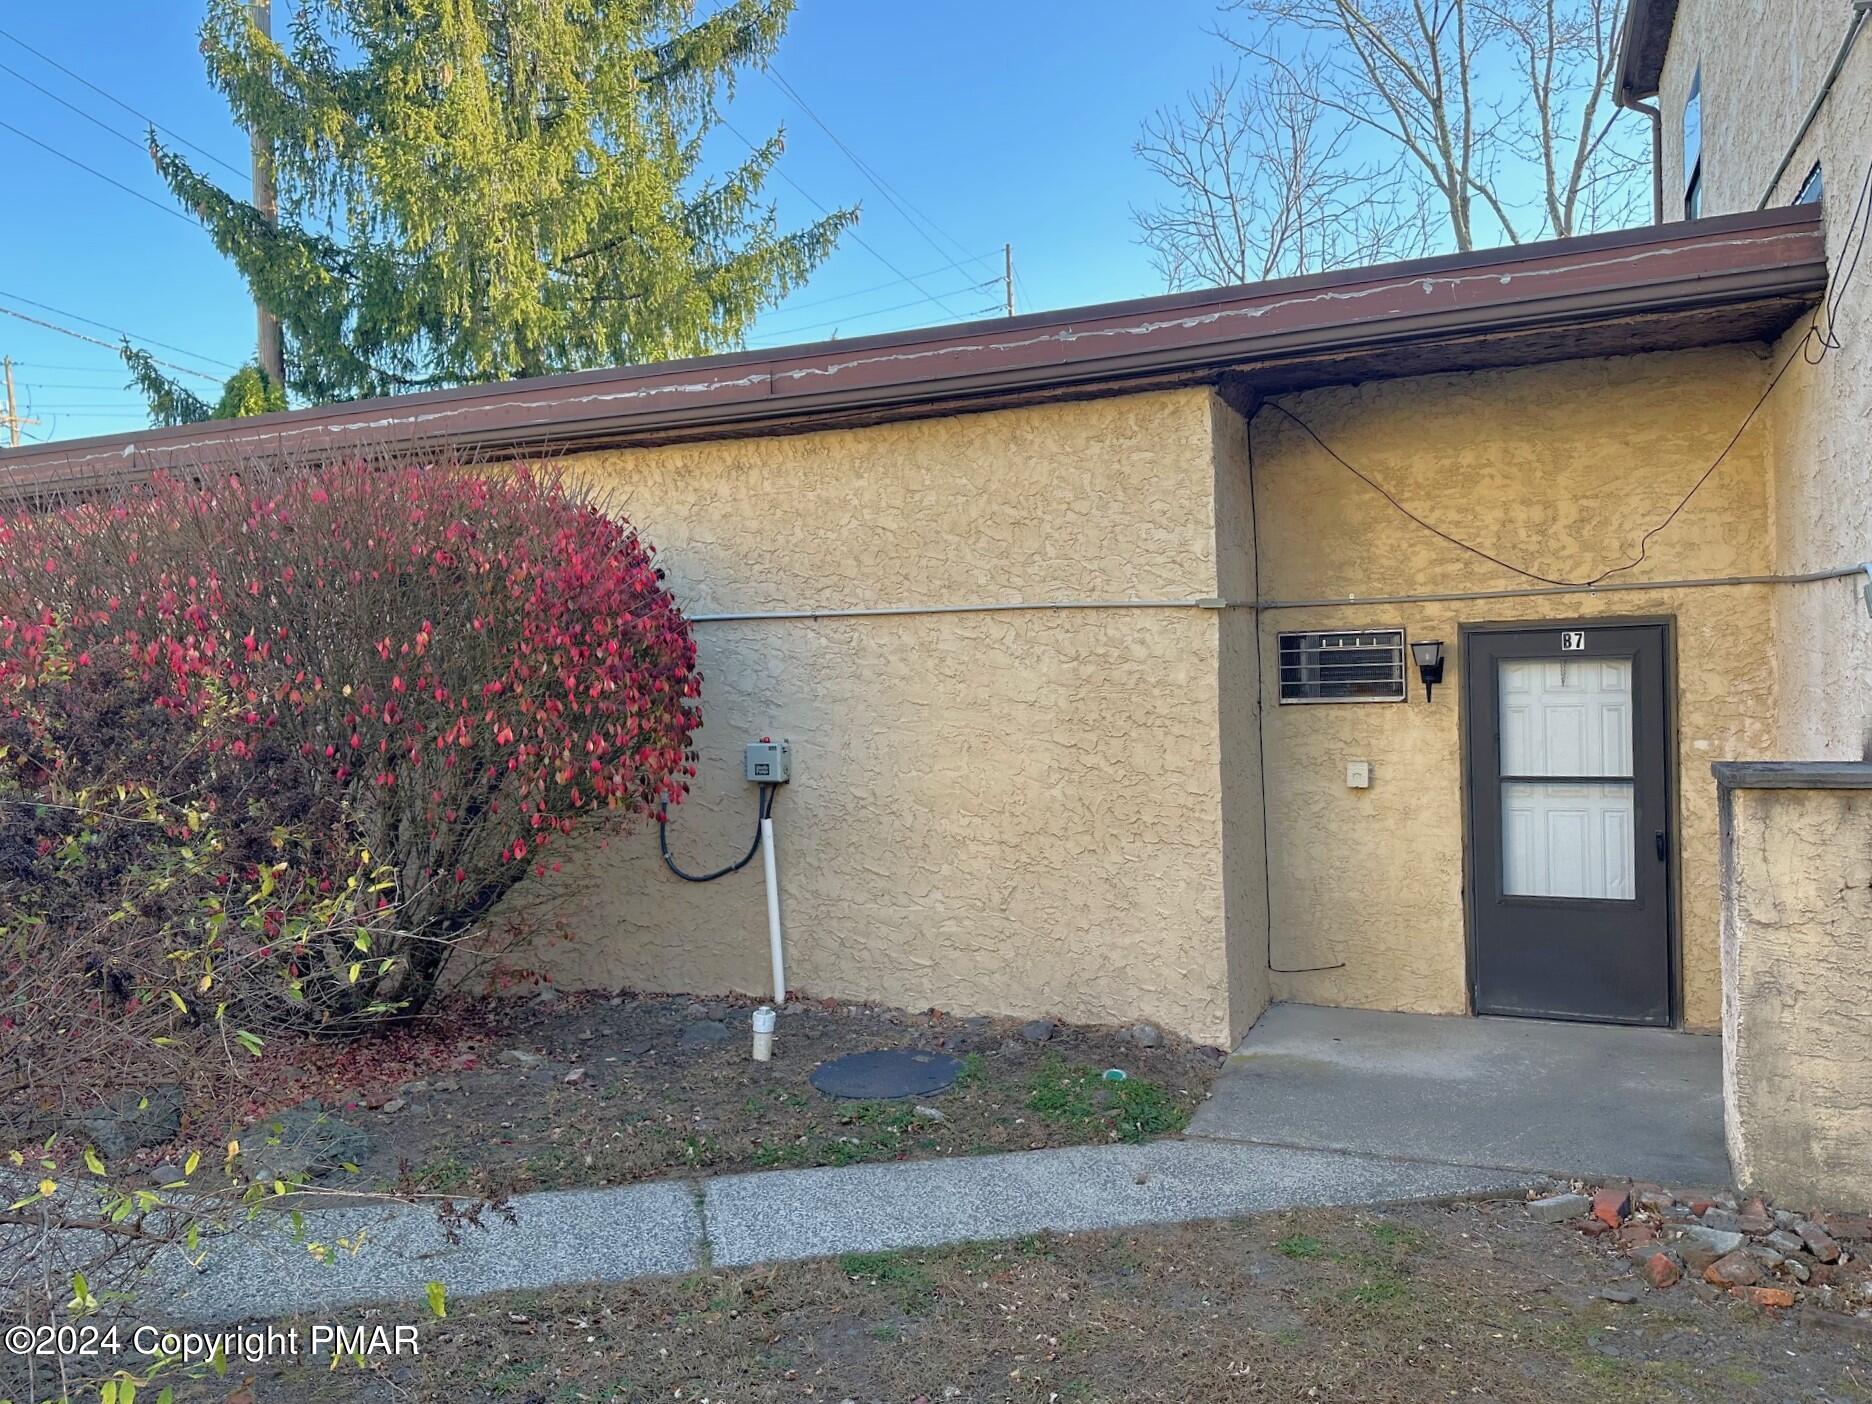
(1007, 275)
(266, 201)
(12, 415)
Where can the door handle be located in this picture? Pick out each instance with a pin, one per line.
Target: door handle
(1663, 848)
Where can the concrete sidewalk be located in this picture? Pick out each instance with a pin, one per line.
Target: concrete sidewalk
(1317, 1107)
(1594, 1100)
(571, 1237)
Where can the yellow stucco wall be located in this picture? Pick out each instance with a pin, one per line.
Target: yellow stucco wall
(1797, 946)
(1560, 469)
(990, 813)
(1244, 848)
(1762, 66)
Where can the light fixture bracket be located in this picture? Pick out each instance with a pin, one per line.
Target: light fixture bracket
(1428, 655)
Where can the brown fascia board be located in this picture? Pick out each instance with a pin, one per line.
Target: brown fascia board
(1302, 323)
(1643, 40)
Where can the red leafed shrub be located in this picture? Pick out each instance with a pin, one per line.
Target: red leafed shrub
(306, 727)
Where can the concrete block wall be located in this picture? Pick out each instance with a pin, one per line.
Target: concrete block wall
(1796, 867)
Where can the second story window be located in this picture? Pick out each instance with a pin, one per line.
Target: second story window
(1811, 188)
(1693, 147)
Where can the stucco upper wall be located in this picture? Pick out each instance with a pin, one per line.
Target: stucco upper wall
(1013, 813)
(1560, 469)
(1762, 67)
(1097, 499)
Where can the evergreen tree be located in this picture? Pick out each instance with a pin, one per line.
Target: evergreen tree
(249, 391)
(473, 190)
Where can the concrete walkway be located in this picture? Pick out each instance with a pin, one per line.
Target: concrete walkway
(1317, 1107)
(1519, 1094)
(613, 1235)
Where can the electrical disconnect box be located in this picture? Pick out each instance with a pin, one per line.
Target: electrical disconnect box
(768, 761)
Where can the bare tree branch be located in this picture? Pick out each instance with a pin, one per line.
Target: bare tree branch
(1260, 186)
(1498, 110)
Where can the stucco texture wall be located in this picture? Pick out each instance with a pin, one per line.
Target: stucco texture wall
(1797, 952)
(990, 813)
(1239, 699)
(1559, 469)
(1762, 67)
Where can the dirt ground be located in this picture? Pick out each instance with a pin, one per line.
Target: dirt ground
(594, 1090)
(1472, 1301)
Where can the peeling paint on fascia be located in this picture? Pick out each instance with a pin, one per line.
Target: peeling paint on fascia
(409, 419)
(1067, 336)
(392, 421)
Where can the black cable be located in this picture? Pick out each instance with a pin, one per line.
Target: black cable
(111, 97)
(767, 793)
(1267, 833)
(93, 170)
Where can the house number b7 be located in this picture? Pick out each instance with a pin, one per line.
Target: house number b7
(1572, 640)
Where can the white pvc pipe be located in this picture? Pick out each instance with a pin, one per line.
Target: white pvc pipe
(763, 1025)
(773, 913)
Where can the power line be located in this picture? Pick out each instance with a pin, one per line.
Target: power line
(53, 366)
(108, 180)
(113, 98)
(106, 326)
(857, 238)
(785, 336)
(791, 306)
(67, 331)
(66, 384)
(117, 406)
(74, 107)
(883, 186)
(874, 312)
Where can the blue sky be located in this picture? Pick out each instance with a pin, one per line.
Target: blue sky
(1002, 122)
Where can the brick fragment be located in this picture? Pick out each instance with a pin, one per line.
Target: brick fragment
(1661, 1270)
(1846, 1225)
(1612, 1206)
(1633, 1234)
(1819, 1242)
(1767, 1296)
(1736, 1270)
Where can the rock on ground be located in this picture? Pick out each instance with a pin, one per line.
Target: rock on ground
(703, 1033)
(1554, 1208)
(130, 1121)
(302, 1145)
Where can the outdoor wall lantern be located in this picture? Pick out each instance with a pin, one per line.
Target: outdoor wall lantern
(1429, 657)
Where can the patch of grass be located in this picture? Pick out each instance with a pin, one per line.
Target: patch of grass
(1134, 1110)
(1398, 1236)
(1300, 1247)
(898, 1274)
(789, 1155)
(971, 1070)
(510, 1378)
(446, 1174)
(1379, 1289)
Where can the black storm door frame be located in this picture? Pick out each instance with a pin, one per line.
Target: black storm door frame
(1569, 764)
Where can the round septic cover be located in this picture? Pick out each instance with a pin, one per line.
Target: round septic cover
(889, 1072)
